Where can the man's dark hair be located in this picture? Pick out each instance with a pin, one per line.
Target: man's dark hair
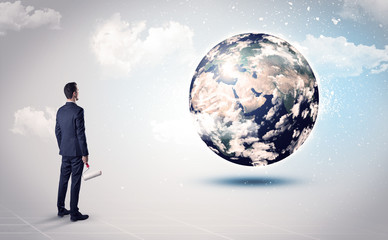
(69, 89)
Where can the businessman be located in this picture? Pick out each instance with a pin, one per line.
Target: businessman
(70, 133)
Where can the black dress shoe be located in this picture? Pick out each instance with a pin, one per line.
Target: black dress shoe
(63, 212)
(78, 217)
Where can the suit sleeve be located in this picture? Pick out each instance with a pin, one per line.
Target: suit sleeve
(58, 132)
(80, 128)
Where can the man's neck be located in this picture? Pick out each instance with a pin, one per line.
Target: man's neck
(71, 100)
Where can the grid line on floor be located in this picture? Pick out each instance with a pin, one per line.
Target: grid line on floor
(27, 223)
(121, 230)
(282, 229)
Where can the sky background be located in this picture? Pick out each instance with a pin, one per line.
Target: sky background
(133, 62)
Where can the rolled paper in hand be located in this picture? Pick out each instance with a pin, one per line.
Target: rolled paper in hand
(87, 176)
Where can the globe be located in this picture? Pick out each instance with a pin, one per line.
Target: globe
(254, 99)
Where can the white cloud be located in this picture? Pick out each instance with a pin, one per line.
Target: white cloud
(341, 58)
(29, 121)
(356, 10)
(261, 153)
(295, 109)
(15, 16)
(302, 137)
(121, 46)
(383, 68)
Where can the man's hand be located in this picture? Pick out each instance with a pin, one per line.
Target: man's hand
(85, 159)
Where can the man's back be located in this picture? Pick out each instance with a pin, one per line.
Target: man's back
(70, 133)
(70, 130)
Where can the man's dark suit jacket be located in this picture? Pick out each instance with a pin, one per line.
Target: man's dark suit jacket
(70, 130)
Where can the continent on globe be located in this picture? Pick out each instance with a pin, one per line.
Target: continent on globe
(254, 99)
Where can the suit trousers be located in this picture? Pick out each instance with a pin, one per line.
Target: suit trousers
(70, 166)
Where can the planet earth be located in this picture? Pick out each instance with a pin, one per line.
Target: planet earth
(254, 99)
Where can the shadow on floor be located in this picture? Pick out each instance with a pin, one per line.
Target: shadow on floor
(253, 181)
(51, 223)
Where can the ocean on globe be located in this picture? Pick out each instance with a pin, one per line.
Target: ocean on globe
(254, 99)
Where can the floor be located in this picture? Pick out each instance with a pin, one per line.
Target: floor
(142, 223)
